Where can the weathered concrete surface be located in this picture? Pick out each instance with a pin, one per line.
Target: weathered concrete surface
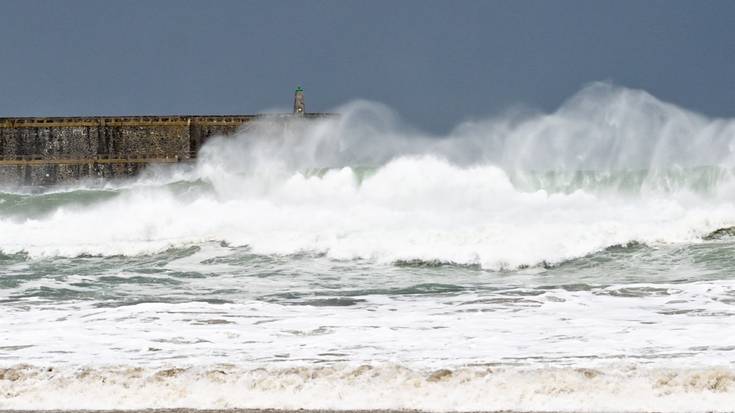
(299, 107)
(47, 151)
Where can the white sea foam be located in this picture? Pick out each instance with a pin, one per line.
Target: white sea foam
(619, 388)
(412, 208)
(220, 325)
(663, 325)
(464, 198)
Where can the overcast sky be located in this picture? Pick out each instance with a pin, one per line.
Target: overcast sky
(436, 63)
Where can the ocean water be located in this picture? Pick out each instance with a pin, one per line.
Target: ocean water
(579, 260)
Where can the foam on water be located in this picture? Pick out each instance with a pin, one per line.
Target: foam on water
(655, 323)
(563, 261)
(469, 198)
(412, 208)
(622, 388)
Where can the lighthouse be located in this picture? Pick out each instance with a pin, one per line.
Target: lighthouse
(298, 102)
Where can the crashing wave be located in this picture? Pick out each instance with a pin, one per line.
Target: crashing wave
(610, 167)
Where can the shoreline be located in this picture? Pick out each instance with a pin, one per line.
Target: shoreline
(236, 410)
(233, 410)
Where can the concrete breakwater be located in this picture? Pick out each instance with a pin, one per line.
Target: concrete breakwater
(53, 150)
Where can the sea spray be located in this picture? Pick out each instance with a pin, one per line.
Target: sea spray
(576, 260)
(610, 166)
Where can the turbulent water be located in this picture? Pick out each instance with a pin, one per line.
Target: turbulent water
(581, 260)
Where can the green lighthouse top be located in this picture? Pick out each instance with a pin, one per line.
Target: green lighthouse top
(299, 89)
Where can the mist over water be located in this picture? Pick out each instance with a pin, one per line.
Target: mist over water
(580, 255)
(611, 166)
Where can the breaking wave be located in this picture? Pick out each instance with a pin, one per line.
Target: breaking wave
(611, 166)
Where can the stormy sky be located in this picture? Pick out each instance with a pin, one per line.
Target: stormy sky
(435, 62)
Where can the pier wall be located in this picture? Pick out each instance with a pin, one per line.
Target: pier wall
(48, 151)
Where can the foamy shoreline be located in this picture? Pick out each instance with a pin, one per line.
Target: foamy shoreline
(186, 410)
(368, 389)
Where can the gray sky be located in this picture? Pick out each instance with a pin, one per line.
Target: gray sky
(436, 63)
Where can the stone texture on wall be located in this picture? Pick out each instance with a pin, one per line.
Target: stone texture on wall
(52, 174)
(48, 151)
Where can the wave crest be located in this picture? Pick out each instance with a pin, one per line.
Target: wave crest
(610, 167)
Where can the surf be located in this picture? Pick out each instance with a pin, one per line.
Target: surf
(609, 167)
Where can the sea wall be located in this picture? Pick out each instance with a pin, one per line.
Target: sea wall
(48, 151)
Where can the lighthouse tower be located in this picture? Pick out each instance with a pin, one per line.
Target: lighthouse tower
(298, 102)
